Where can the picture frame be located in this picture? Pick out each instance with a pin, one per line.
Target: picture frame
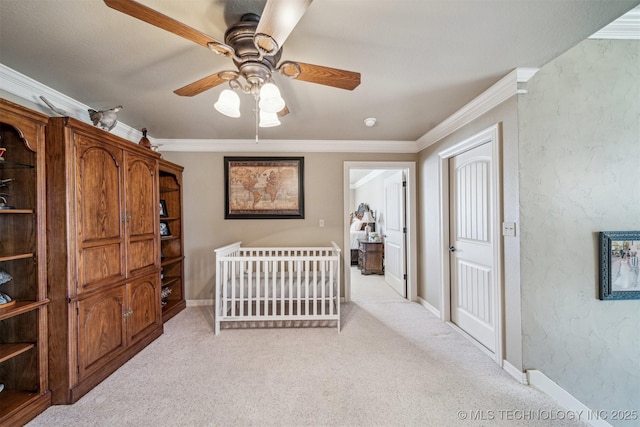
(619, 255)
(163, 209)
(264, 187)
(165, 231)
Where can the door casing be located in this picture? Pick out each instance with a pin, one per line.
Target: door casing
(411, 223)
(490, 135)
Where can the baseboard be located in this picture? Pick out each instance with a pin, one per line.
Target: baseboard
(574, 407)
(199, 302)
(429, 307)
(516, 373)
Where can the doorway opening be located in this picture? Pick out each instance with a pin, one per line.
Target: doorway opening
(382, 189)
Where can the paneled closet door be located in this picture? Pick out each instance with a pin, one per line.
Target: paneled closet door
(141, 213)
(99, 195)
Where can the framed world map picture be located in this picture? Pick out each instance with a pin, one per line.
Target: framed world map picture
(264, 187)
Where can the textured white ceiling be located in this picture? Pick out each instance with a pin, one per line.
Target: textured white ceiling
(420, 60)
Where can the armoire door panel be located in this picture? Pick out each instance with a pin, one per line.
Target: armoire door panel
(144, 295)
(102, 329)
(99, 264)
(99, 190)
(142, 254)
(142, 213)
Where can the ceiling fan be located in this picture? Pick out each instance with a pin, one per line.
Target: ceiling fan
(254, 44)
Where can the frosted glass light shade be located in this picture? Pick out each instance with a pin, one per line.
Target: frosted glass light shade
(228, 103)
(268, 120)
(270, 99)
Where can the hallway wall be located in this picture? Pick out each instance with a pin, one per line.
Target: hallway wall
(580, 163)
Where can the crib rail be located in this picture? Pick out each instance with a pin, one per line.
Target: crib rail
(277, 284)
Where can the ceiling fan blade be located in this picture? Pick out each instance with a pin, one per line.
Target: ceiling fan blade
(283, 112)
(148, 15)
(327, 76)
(201, 85)
(278, 19)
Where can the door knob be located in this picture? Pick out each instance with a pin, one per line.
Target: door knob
(452, 249)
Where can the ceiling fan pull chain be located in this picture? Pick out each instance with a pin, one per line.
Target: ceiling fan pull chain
(257, 114)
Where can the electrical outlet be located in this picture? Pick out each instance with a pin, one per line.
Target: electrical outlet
(321, 223)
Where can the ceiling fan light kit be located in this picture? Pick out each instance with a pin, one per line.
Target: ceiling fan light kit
(228, 104)
(255, 46)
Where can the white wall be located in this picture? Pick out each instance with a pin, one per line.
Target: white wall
(580, 174)
(372, 193)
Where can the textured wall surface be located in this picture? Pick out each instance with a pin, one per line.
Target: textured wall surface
(580, 174)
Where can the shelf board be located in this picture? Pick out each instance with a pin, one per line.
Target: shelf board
(15, 257)
(169, 218)
(13, 400)
(164, 238)
(8, 351)
(168, 189)
(171, 260)
(21, 307)
(16, 211)
(170, 281)
(7, 164)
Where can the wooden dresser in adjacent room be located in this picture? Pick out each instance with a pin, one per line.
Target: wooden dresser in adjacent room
(103, 245)
(24, 386)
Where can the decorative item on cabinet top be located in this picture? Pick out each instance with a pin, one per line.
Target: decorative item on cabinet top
(144, 141)
(105, 119)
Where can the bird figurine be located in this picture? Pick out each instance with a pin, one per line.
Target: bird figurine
(53, 107)
(144, 141)
(105, 119)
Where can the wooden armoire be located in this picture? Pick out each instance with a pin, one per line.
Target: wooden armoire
(103, 266)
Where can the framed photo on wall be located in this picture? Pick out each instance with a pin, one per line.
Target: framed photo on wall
(619, 254)
(264, 187)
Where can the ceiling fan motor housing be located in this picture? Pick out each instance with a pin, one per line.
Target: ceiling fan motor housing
(253, 66)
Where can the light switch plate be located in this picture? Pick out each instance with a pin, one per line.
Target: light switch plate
(509, 229)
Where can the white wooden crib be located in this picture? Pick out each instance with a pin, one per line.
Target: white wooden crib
(277, 284)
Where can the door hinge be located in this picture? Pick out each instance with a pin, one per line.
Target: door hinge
(404, 183)
(404, 230)
(404, 276)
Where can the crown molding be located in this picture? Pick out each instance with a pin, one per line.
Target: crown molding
(30, 90)
(368, 177)
(286, 146)
(627, 27)
(502, 90)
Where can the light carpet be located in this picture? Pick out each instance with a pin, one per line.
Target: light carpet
(393, 364)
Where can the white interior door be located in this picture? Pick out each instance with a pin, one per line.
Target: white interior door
(394, 232)
(471, 253)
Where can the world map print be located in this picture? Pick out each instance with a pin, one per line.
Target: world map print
(263, 187)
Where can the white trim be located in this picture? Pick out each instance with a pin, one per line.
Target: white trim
(489, 135)
(285, 146)
(543, 383)
(429, 307)
(412, 240)
(502, 90)
(200, 302)
(627, 27)
(368, 177)
(28, 89)
(516, 373)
